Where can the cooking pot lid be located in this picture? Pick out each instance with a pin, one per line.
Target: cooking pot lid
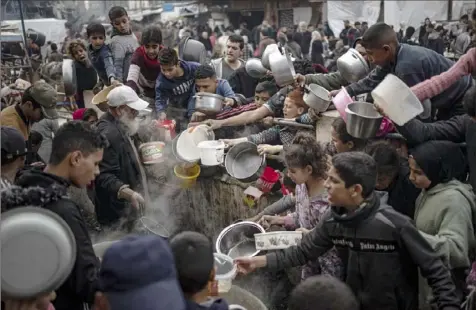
(38, 251)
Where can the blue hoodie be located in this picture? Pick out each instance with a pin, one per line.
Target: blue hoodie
(103, 63)
(181, 90)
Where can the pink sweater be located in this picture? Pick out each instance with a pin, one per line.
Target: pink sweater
(439, 83)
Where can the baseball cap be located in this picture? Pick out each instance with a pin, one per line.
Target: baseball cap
(124, 95)
(13, 143)
(45, 95)
(138, 272)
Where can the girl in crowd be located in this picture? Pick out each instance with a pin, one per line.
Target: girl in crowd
(342, 141)
(445, 210)
(307, 167)
(145, 66)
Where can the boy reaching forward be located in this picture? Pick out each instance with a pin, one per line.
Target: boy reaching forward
(381, 248)
(123, 41)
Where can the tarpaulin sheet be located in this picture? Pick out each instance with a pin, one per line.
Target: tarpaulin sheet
(413, 13)
(338, 11)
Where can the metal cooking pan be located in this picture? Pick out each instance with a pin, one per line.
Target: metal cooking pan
(244, 163)
(193, 50)
(69, 77)
(38, 252)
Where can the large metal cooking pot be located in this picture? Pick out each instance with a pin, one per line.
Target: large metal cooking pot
(352, 66)
(244, 163)
(363, 121)
(69, 77)
(270, 49)
(282, 68)
(317, 97)
(209, 103)
(238, 296)
(238, 240)
(193, 50)
(255, 68)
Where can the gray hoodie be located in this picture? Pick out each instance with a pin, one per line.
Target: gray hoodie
(122, 47)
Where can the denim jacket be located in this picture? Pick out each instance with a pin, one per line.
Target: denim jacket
(103, 63)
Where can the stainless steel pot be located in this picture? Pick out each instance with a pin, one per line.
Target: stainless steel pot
(270, 49)
(282, 68)
(38, 252)
(240, 299)
(317, 97)
(244, 163)
(209, 103)
(238, 240)
(352, 66)
(193, 50)
(69, 77)
(363, 120)
(255, 68)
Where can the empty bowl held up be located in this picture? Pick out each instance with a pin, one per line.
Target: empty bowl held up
(237, 240)
(363, 121)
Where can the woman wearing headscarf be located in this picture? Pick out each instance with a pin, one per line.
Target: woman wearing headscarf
(317, 49)
(445, 209)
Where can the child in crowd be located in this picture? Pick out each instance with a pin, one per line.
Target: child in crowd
(100, 54)
(195, 264)
(86, 76)
(322, 293)
(272, 140)
(342, 141)
(307, 166)
(263, 92)
(145, 66)
(87, 115)
(54, 55)
(123, 41)
(175, 86)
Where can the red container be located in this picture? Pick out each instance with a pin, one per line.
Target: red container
(267, 180)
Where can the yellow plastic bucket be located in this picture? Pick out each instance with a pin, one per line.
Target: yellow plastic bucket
(187, 175)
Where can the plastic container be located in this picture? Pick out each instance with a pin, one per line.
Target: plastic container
(225, 272)
(341, 100)
(267, 180)
(187, 175)
(397, 100)
(212, 153)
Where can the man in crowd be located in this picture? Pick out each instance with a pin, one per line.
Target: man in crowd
(13, 155)
(226, 65)
(76, 152)
(122, 176)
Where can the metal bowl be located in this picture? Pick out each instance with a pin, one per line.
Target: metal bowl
(270, 49)
(193, 50)
(317, 97)
(209, 103)
(69, 77)
(237, 297)
(255, 68)
(244, 163)
(282, 68)
(352, 66)
(238, 240)
(38, 252)
(363, 120)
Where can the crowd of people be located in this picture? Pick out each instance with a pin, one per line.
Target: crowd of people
(378, 216)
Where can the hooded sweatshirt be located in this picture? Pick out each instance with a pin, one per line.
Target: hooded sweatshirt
(178, 91)
(122, 48)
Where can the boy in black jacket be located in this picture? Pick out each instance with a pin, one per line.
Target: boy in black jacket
(77, 149)
(381, 248)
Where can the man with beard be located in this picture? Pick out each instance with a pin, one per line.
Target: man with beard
(86, 76)
(121, 176)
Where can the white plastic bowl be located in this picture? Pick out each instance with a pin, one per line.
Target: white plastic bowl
(225, 272)
(397, 100)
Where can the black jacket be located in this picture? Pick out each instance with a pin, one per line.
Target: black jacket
(457, 129)
(381, 250)
(402, 194)
(117, 168)
(80, 287)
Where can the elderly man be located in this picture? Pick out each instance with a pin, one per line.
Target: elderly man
(122, 176)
